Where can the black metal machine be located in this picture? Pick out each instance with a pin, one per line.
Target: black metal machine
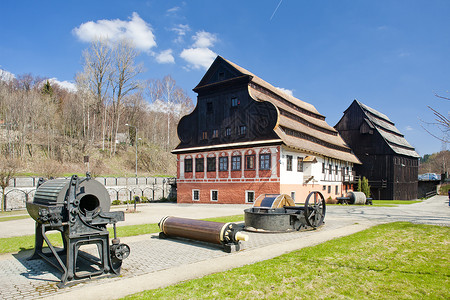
(227, 234)
(79, 209)
(278, 213)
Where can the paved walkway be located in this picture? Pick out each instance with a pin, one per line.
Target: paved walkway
(155, 263)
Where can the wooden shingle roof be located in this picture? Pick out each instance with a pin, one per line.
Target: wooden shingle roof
(394, 139)
(300, 125)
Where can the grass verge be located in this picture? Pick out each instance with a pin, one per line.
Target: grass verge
(391, 261)
(26, 242)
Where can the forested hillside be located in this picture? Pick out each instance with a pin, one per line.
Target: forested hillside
(46, 129)
(435, 163)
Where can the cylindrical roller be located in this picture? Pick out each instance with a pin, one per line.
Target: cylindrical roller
(357, 198)
(206, 231)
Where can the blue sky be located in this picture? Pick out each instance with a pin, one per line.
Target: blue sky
(391, 55)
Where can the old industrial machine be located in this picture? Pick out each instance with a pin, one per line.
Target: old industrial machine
(358, 198)
(227, 234)
(278, 213)
(79, 209)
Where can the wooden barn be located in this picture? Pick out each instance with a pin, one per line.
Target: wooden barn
(246, 138)
(388, 160)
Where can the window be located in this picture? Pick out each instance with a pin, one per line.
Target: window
(209, 107)
(211, 164)
(228, 131)
(330, 169)
(215, 134)
(235, 102)
(250, 162)
(188, 165)
(204, 135)
(323, 168)
(242, 130)
(221, 75)
(196, 195)
(214, 195)
(329, 189)
(264, 161)
(249, 196)
(199, 166)
(293, 195)
(288, 162)
(299, 164)
(336, 168)
(324, 188)
(235, 163)
(223, 163)
(336, 190)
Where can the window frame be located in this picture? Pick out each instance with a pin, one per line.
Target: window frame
(265, 163)
(235, 102)
(289, 159)
(235, 161)
(248, 158)
(299, 164)
(246, 196)
(221, 164)
(186, 165)
(193, 194)
(210, 166)
(211, 193)
(201, 165)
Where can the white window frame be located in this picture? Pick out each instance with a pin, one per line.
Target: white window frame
(193, 193)
(246, 196)
(211, 195)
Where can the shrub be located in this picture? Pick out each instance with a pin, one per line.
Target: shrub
(116, 202)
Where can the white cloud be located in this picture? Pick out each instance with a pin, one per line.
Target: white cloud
(136, 30)
(67, 85)
(286, 91)
(165, 57)
(204, 39)
(180, 30)
(173, 9)
(409, 128)
(6, 76)
(199, 55)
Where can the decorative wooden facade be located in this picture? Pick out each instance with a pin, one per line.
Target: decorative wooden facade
(246, 138)
(388, 160)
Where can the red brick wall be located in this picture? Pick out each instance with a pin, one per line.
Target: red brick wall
(228, 192)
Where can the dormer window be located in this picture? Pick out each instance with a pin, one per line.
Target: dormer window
(228, 131)
(242, 130)
(235, 102)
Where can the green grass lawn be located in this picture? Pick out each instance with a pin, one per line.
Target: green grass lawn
(26, 242)
(391, 261)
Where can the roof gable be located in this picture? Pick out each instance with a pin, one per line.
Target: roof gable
(220, 70)
(386, 128)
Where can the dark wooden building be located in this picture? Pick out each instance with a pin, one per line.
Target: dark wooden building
(245, 138)
(388, 160)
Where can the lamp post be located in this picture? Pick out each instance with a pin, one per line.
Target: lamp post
(135, 142)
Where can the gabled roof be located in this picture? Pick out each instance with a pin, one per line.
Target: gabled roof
(300, 125)
(394, 139)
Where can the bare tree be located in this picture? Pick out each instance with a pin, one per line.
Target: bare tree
(441, 122)
(8, 168)
(123, 81)
(98, 68)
